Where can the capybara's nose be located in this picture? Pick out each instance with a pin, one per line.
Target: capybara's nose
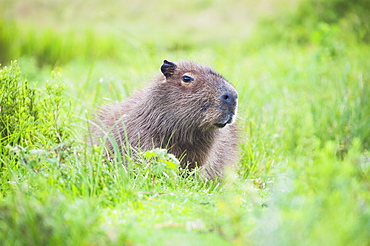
(229, 98)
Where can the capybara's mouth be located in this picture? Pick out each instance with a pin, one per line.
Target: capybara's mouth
(220, 125)
(223, 123)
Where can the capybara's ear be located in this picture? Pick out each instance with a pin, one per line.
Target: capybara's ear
(168, 68)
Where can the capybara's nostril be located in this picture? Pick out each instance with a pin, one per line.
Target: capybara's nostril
(225, 97)
(228, 98)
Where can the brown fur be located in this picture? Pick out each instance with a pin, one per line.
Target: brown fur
(192, 119)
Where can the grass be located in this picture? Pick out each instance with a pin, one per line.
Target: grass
(304, 115)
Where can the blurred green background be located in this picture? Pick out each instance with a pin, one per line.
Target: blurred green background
(301, 68)
(54, 32)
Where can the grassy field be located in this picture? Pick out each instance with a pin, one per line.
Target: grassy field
(303, 80)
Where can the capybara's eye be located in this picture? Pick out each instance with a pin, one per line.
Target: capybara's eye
(187, 79)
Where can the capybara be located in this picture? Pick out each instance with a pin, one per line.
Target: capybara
(187, 109)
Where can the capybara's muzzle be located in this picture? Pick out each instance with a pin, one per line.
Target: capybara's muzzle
(228, 107)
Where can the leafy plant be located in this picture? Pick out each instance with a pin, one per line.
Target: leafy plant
(30, 116)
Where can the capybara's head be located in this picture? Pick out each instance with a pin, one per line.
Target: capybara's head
(196, 96)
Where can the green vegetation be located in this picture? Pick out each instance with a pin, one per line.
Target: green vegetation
(304, 83)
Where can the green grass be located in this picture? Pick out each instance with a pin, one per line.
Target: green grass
(304, 115)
